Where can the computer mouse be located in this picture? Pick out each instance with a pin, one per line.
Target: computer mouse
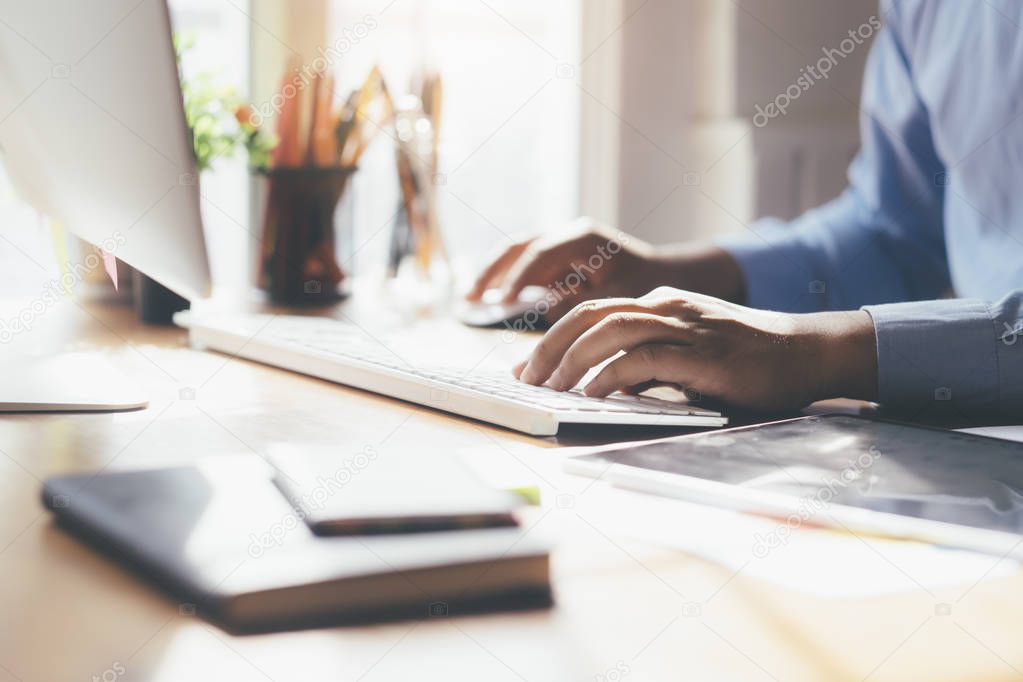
(527, 312)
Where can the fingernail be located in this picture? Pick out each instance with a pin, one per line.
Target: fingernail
(556, 382)
(517, 369)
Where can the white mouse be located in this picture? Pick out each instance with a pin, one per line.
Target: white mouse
(491, 312)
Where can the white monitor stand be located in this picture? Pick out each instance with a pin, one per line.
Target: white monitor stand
(93, 134)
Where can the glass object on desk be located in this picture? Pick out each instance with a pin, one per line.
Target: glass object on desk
(298, 254)
(418, 263)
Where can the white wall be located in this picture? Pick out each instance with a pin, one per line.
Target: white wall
(691, 162)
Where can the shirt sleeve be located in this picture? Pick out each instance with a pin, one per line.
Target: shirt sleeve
(883, 239)
(956, 357)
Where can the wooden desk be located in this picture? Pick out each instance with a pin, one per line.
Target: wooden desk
(622, 605)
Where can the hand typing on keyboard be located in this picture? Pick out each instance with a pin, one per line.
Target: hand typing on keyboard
(347, 354)
(745, 357)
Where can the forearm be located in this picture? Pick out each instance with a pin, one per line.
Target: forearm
(700, 267)
(838, 257)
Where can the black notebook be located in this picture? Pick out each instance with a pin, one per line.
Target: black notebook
(223, 539)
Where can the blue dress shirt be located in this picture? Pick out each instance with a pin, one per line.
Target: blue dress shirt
(928, 237)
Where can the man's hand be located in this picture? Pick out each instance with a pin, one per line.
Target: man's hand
(748, 358)
(591, 261)
(587, 261)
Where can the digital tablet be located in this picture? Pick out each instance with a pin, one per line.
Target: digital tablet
(845, 471)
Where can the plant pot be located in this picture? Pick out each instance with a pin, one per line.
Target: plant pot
(298, 257)
(155, 303)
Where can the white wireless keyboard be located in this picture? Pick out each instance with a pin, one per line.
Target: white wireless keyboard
(345, 354)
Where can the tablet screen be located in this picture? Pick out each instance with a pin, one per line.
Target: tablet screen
(835, 459)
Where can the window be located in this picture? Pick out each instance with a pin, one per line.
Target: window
(510, 151)
(221, 32)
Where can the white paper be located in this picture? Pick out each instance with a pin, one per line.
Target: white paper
(1006, 432)
(818, 561)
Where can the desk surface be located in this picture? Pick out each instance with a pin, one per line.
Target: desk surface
(625, 609)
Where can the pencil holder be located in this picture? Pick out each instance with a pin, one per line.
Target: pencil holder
(298, 254)
(417, 254)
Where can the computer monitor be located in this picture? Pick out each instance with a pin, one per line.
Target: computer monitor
(93, 134)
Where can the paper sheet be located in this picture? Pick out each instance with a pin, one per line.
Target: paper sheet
(817, 561)
(1006, 432)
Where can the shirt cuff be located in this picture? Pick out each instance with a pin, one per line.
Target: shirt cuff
(777, 269)
(938, 357)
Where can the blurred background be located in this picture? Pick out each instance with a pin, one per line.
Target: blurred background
(640, 113)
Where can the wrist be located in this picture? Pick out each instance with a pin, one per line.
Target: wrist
(699, 267)
(844, 355)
